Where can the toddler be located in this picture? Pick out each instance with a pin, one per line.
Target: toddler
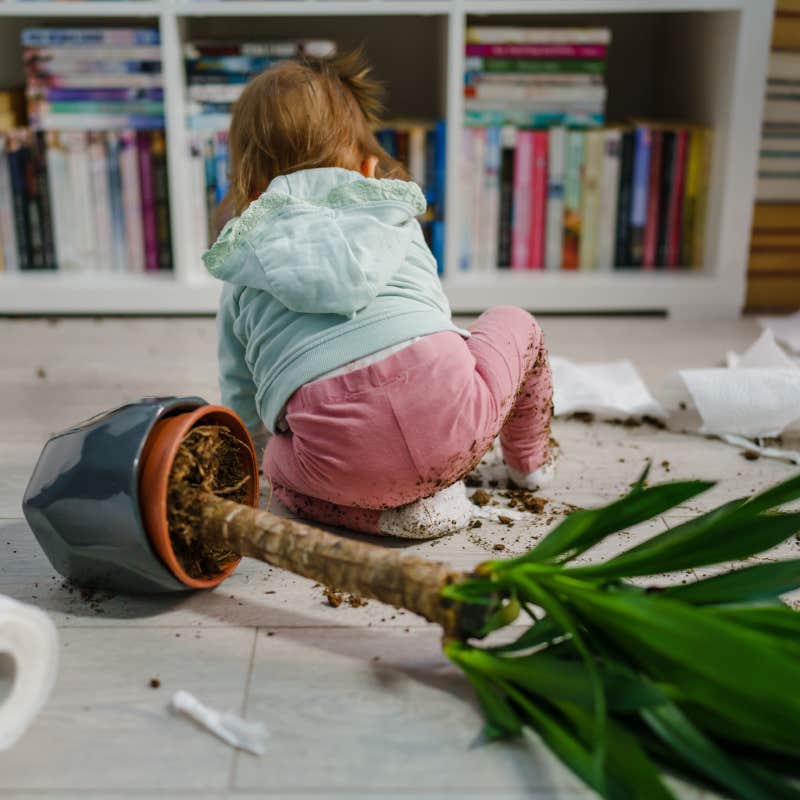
(334, 333)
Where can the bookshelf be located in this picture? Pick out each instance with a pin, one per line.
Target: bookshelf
(703, 60)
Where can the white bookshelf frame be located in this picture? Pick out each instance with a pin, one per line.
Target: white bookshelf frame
(716, 289)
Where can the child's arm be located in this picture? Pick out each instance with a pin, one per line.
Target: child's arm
(235, 380)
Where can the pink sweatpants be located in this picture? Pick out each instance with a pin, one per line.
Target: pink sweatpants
(414, 422)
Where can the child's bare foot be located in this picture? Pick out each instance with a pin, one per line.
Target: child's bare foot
(537, 479)
(445, 512)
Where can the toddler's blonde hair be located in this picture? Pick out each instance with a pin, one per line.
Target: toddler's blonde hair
(315, 112)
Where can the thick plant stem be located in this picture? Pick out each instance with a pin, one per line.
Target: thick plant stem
(367, 570)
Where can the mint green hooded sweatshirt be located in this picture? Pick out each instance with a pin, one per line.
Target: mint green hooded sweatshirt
(324, 268)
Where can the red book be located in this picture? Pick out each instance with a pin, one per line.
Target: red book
(148, 200)
(538, 200)
(675, 212)
(522, 204)
(650, 245)
(550, 51)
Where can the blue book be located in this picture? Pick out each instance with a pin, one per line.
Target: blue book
(639, 190)
(55, 94)
(221, 166)
(439, 165)
(430, 166)
(16, 168)
(83, 37)
(387, 139)
(221, 65)
(437, 244)
(533, 119)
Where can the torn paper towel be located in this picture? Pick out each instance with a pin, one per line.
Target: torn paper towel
(612, 389)
(28, 664)
(757, 396)
(234, 730)
(786, 329)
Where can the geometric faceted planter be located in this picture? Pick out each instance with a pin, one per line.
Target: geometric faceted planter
(96, 501)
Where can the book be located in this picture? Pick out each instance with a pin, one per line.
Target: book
(590, 200)
(508, 139)
(609, 188)
(776, 217)
(622, 247)
(778, 190)
(35, 57)
(532, 119)
(119, 250)
(639, 193)
(573, 175)
(480, 34)
(566, 79)
(536, 65)
(786, 30)
(43, 200)
(653, 203)
(782, 108)
(668, 153)
(541, 51)
(101, 201)
(99, 95)
(158, 155)
(675, 200)
(590, 96)
(478, 160)
(198, 200)
(87, 37)
(8, 236)
(538, 200)
(784, 66)
(554, 237)
(490, 201)
(131, 200)
(16, 156)
(693, 213)
(523, 201)
(148, 201)
(465, 196)
(82, 215)
(416, 153)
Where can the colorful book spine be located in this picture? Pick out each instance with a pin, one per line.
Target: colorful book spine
(119, 250)
(221, 160)
(504, 34)
(118, 95)
(538, 200)
(675, 215)
(16, 167)
(148, 200)
(542, 66)
(590, 201)
(43, 200)
(652, 216)
(555, 198)
(609, 188)
(198, 200)
(697, 166)
(538, 51)
(639, 194)
(486, 118)
(80, 181)
(132, 200)
(572, 199)
(523, 199)
(161, 192)
(490, 200)
(668, 142)
(478, 159)
(622, 246)
(89, 37)
(101, 201)
(466, 199)
(8, 236)
(416, 154)
(508, 138)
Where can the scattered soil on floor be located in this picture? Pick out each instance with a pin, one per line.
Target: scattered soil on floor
(41, 373)
(473, 480)
(481, 498)
(336, 598)
(525, 500)
(155, 683)
(666, 465)
(499, 546)
(209, 459)
(751, 455)
(476, 523)
(504, 520)
(586, 417)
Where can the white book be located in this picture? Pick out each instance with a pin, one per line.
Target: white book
(609, 190)
(8, 233)
(536, 106)
(61, 204)
(590, 199)
(780, 145)
(779, 165)
(778, 189)
(416, 153)
(80, 183)
(490, 201)
(558, 95)
(477, 160)
(101, 202)
(132, 201)
(554, 232)
(479, 34)
(46, 55)
(465, 199)
(215, 92)
(100, 80)
(784, 66)
(781, 110)
(199, 214)
(573, 79)
(90, 122)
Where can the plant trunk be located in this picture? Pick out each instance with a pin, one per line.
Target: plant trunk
(362, 569)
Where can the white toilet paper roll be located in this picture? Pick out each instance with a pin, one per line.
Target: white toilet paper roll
(28, 663)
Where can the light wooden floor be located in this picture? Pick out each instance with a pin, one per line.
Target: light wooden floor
(359, 702)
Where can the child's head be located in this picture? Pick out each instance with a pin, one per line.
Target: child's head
(306, 114)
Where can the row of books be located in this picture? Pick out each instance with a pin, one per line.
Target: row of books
(84, 201)
(535, 77)
(217, 72)
(420, 146)
(779, 158)
(558, 199)
(89, 79)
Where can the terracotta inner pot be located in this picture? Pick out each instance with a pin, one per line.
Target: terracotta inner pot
(156, 464)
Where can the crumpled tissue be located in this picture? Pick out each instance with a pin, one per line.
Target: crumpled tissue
(786, 329)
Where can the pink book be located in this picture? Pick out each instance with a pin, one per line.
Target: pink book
(147, 191)
(538, 199)
(551, 51)
(522, 202)
(131, 200)
(675, 211)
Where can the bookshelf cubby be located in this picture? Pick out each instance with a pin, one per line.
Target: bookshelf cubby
(696, 60)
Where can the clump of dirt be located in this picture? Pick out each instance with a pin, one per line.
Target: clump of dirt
(336, 598)
(504, 520)
(208, 460)
(41, 373)
(525, 500)
(155, 683)
(586, 417)
(481, 498)
(473, 480)
(751, 455)
(476, 523)
(499, 546)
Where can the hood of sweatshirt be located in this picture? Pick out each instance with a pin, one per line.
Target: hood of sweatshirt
(320, 241)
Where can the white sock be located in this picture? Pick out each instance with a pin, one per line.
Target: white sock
(533, 480)
(446, 512)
